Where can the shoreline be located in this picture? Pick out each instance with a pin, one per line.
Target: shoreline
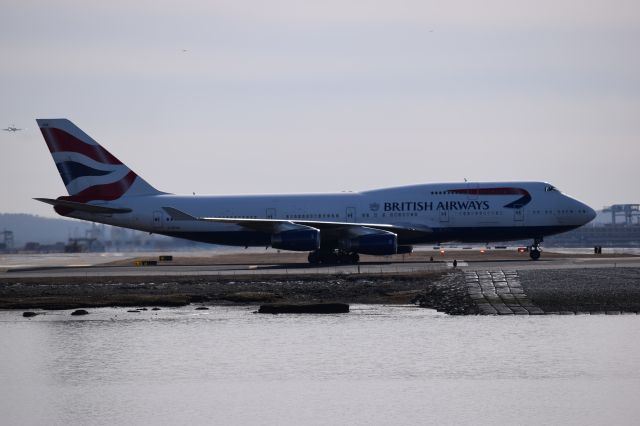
(499, 282)
(76, 292)
(602, 290)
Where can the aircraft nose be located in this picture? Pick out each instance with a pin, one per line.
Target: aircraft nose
(588, 214)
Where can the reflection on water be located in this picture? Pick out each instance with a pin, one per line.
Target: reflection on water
(381, 365)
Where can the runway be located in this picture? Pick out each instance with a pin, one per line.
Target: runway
(254, 264)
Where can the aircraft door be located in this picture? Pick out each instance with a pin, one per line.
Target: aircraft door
(271, 213)
(518, 216)
(351, 214)
(157, 219)
(444, 216)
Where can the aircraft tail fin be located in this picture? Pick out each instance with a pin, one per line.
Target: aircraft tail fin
(89, 171)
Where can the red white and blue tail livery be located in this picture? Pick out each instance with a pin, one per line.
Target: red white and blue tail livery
(89, 171)
(333, 227)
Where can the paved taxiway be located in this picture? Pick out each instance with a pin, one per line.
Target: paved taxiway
(497, 282)
(269, 265)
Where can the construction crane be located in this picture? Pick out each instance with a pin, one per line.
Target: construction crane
(627, 211)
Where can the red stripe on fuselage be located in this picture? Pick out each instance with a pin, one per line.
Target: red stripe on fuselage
(60, 141)
(107, 192)
(491, 191)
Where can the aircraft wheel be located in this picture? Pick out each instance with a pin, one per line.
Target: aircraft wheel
(331, 258)
(314, 258)
(534, 253)
(346, 258)
(328, 258)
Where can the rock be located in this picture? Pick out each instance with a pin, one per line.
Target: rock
(29, 314)
(79, 312)
(202, 308)
(311, 308)
(155, 309)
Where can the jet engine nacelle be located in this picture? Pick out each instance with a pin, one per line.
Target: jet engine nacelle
(375, 244)
(297, 240)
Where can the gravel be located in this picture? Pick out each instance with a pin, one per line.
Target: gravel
(584, 290)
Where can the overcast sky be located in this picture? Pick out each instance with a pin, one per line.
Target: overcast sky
(303, 96)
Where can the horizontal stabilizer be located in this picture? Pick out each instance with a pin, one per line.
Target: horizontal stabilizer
(89, 208)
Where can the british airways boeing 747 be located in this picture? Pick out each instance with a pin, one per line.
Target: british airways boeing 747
(333, 228)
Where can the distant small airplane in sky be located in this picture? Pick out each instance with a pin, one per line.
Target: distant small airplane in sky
(11, 128)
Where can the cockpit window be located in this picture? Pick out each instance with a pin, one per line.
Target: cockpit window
(550, 188)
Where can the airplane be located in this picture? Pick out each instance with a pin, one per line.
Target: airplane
(332, 227)
(11, 128)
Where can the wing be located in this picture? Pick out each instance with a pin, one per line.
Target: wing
(329, 229)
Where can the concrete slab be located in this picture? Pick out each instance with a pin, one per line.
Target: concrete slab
(503, 291)
(487, 310)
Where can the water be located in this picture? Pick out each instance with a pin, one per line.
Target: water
(376, 365)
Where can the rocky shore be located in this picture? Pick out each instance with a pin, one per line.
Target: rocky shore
(593, 290)
(77, 292)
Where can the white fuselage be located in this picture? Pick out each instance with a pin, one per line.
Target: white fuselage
(466, 212)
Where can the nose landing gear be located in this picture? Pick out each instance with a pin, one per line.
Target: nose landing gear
(534, 249)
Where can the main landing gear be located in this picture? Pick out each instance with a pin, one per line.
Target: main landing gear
(534, 249)
(333, 257)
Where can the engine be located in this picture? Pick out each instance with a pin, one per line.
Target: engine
(297, 240)
(375, 244)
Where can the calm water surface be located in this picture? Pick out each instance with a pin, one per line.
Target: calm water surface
(376, 365)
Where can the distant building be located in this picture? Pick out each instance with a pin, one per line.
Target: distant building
(615, 226)
(7, 243)
(624, 214)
